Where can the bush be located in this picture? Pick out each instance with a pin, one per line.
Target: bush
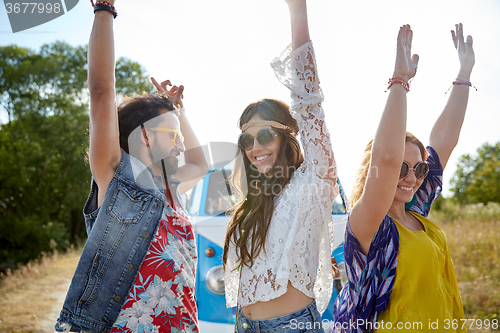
(43, 176)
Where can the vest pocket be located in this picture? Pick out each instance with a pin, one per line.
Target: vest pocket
(129, 203)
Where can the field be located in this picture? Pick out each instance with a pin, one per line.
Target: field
(473, 234)
(31, 295)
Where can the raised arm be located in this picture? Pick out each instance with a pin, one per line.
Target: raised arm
(298, 18)
(387, 150)
(446, 131)
(296, 69)
(195, 165)
(104, 153)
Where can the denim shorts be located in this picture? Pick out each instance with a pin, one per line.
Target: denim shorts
(307, 320)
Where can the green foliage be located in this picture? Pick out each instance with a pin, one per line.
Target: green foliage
(477, 179)
(130, 78)
(438, 204)
(44, 82)
(44, 179)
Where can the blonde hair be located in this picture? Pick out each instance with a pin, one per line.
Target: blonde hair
(364, 168)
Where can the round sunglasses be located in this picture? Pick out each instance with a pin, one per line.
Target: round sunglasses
(265, 137)
(421, 170)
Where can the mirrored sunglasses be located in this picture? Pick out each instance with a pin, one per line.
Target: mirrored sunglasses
(421, 170)
(265, 137)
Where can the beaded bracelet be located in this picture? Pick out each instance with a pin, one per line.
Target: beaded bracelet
(400, 80)
(104, 5)
(461, 83)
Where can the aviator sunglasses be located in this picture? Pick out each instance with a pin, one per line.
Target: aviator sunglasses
(421, 170)
(265, 137)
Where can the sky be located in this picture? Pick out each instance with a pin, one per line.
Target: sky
(221, 50)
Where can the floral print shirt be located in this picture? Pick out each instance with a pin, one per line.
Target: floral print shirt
(162, 297)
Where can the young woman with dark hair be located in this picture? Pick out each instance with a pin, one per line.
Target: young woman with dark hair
(278, 246)
(137, 269)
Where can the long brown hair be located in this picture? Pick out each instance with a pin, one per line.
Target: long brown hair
(252, 214)
(364, 168)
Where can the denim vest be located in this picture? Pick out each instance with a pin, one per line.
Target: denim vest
(120, 233)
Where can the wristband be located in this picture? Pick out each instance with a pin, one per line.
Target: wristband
(459, 82)
(463, 83)
(399, 80)
(104, 5)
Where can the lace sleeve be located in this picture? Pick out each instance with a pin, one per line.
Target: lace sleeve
(431, 186)
(297, 71)
(299, 238)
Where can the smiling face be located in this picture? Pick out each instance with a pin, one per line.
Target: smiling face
(408, 186)
(263, 158)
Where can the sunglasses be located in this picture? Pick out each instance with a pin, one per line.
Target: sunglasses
(421, 170)
(265, 137)
(178, 137)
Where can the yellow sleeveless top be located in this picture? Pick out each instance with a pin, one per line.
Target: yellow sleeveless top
(425, 297)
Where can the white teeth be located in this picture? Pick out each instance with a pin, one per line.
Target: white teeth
(260, 158)
(405, 188)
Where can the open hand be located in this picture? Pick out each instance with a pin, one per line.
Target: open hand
(465, 50)
(174, 94)
(406, 64)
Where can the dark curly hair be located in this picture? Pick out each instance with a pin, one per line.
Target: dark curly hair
(137, 110)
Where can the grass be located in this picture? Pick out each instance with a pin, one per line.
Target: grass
(28, 293)
(474, 241)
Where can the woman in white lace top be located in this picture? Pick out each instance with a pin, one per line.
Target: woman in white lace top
(279, 241)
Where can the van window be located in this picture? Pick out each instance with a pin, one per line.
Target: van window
(218, 198)
(338, 205)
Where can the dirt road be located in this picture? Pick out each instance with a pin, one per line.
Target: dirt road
(33, 295)
(47, 324)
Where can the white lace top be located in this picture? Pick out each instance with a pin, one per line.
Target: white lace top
(300, 236)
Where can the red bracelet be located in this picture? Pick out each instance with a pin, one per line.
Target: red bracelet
(104, 3)
(399, 80)
(100, 3)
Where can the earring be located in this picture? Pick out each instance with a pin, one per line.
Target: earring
(145, 135)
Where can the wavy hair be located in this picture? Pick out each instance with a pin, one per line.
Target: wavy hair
(254, 210)
(364, 168)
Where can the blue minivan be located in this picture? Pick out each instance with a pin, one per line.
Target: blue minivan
(206, 205)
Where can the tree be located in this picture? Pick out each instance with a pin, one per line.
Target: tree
(44, 179)
(477, 179)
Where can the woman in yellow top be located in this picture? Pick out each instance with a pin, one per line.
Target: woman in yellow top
(401, 276)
